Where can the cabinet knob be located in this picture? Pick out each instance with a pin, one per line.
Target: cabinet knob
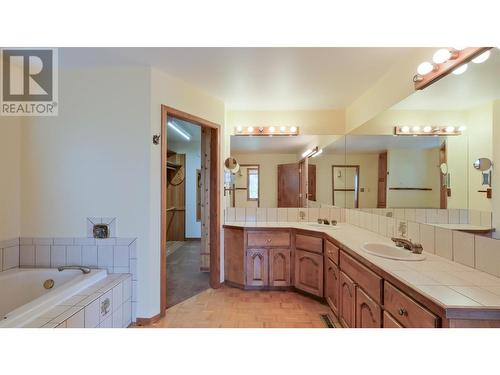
(402, 312)
(268, 240)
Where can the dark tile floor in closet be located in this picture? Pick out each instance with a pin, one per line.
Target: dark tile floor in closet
(184, 278)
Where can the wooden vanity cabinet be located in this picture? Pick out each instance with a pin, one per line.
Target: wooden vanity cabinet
(257, 267)
(347, 306)
(279, 267)
(332, 284)
(390, 322)
(309, 272)
(368, 312)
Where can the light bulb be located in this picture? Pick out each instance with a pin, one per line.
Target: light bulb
(442, 55)
(460, 70)
(282, 129)
(250, 129)
(293, 129)
(424, 68)
(450, 129)
(239, 129)
(416, 129)
(482, 57)
(319, 152)
(462, 128)
(271, 129)
(306, 153)
(405, 129)
(427, 129)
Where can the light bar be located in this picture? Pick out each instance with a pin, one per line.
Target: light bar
(269, 131)
(428, 131)
(183, 133)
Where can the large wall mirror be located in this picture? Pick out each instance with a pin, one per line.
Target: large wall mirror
(436, 149)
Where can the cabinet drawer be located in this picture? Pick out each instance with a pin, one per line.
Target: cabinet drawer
(332, 252)
(407, 311)
(369, 281)
(268, 239)
(309, 243)
(390, 322)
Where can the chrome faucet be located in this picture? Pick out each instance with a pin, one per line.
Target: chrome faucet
(415, 248)
(81, 268)
(323, 221)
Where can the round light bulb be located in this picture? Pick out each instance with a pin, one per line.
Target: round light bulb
(425, 68)
(416, 129)
(460, 70)
(282, 129)
(450, 129)
(482, 57)
(250, 129)
(239, 129)
(427, 129)
(405, 129)
(293, 129)
(459, 48)
(442, 55)
(272, 129)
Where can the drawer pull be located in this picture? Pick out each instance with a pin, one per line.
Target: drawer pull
(268, 240)
(403, 312)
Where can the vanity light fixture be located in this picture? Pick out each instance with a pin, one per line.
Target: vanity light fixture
(269, 131)
(180, 131)
(446, 61)
(319, 152)
(311, 152)
(416, 131)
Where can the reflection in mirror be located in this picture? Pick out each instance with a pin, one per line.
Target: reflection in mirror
(280, 171)
(418, 169)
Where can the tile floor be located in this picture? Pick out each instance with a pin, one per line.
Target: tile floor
(234, 308)
(184, 278)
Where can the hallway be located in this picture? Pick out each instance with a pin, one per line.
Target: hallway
(184, 278)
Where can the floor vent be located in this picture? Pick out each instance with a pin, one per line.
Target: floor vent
(328, 322)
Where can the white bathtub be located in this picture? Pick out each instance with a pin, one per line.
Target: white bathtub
(23, 297)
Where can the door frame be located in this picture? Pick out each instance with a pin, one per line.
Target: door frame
(215, 136)
(356, 189)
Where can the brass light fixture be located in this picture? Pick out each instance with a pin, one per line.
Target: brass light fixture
(270, 131)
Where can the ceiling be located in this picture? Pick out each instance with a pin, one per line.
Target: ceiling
(257, 78)
(173, 137)
(270, 145)
(478, 85)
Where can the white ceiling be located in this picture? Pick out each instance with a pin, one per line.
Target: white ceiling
(257, 78)
(270, 145)
(478, 85)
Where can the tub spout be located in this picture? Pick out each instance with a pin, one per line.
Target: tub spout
(81, 268)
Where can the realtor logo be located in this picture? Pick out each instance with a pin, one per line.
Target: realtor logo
(29, 82)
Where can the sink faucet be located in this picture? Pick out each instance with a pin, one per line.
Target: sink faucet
(415, 248)
(323, 221)
(81, 268)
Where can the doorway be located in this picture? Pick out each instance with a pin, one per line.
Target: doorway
(190, 206)
(345, 186)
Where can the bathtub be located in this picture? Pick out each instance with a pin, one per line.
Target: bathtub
(23, 297)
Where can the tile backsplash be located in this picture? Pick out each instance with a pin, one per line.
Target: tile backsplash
(9, 254)
(262, 214)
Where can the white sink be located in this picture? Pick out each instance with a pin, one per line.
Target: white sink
(391, 252)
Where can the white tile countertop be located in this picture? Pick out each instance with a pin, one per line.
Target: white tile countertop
(447, 283)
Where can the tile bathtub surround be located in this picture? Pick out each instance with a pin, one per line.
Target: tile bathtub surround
(9, 254)
(106, 304)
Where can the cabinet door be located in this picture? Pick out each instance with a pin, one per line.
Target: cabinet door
(332, 284)
(368, 312)
(347, 307)
(279, 267)
(390, 322)
(257, 267)
(309, 272)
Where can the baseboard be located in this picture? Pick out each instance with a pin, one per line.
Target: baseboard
(147, 321)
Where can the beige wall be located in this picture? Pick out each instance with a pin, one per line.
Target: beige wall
(268, 174)
(414, 169)
(309, 122)
(496, 161)
(10, 181)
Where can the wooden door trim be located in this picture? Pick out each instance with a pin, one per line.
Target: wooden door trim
(356, 190)
(214, 199)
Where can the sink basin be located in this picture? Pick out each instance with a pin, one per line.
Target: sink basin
(391, 252)
(323, 226)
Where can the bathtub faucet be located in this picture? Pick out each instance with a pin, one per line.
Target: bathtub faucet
(81, 268)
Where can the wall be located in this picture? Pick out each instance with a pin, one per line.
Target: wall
(192, 151)
(177, 94)
(268, 174)
(458, 170)
(10, 181)
(309, 122)
(414, 169)
(496, 161)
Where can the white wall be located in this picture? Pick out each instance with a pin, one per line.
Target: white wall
(192, 151)
(10, 177)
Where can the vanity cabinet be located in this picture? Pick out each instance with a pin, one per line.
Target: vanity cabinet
(309, 272)
(332, 284)
(279, 267)
(390, 322)
(347, 306)
(257, 267)
(368, 312)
